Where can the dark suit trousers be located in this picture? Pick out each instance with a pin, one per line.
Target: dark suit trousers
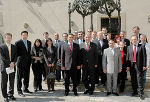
(121, 79)
(23, 72)
(78, 76)
(88, 77)
(140, 81)
(72, 73)
(37, 71)
(58, 73)
(4, 80)
(133, 75)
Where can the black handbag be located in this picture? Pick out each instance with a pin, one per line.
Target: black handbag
(51, 75)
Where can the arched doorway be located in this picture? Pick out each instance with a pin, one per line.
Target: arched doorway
(1, 39)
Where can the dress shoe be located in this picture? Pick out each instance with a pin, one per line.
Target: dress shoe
(142, 97)
(53, 89)
(6, 100)
(134, 94)
(75, 93)
(27, 91)
(21, 94)
(66, 93)
(115, 93)
(12, 98)
(90, 92)
(108, 93)
(41, 89)
(86, 91)
(35, 90)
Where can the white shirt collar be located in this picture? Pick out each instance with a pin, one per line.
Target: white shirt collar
(8, 44)
(88, 43)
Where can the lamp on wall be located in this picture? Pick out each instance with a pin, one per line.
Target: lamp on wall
(149, 19)
(26, 25)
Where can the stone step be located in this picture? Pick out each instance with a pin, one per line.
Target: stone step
(103, 88)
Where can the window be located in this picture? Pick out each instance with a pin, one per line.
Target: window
(114, 25)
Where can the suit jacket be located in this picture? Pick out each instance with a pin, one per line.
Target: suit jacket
(43, 42)
(4, 56)
(70, 60)
(89, 58)
(112, 62)
(24, 56)
(61, 44)
(50, 57)
(127, 41)
(101, 48)
(57, 47)
(140, 56)
(77, 41)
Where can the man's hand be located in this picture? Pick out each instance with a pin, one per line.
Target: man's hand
(49, 65)
(62, 68)
(59, 60)
(81, 66)
(144, 68)
(120, 70)
(12, 65)
(105, 71)
(52, 65)
(128, 68)
(95, 66)
(36, 58)
(78, 67)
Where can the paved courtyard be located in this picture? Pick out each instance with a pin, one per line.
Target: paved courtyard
(58, 95)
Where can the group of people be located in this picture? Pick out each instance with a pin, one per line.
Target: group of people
(93, 58)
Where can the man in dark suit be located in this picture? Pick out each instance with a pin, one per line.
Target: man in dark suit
(136, 62)
(70, 63)
(89, 61)
(101, 45)
(23, 63)
(122, 35)
(8, 58)
(136, 31)
(45, 35)
(56, 43)
(79, 41)
(80, 38)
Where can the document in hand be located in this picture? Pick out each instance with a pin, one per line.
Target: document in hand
(8, 70)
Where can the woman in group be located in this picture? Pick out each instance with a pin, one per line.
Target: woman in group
(50, 56)
(37, 64)
(108, 37)
(123, 74)
(117, 40)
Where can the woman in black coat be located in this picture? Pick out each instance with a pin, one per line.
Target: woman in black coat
(37, 64)
(50, 56)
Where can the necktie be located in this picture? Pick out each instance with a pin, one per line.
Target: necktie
(100, 43)
(71, 48)
(9, 49)
(26, 45)
(56, 44)
(87, 47)
(134, 54)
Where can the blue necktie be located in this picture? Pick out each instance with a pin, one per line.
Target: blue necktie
(26, 45)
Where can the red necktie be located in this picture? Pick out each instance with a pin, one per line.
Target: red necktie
(134, 54)
(71, 48)
(87, 47)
